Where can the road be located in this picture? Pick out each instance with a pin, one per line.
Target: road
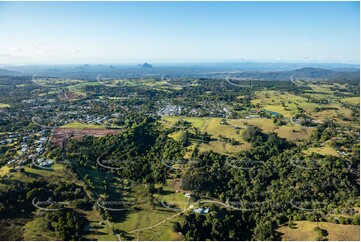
(237, 85)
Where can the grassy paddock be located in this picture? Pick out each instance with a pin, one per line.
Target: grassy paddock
(351, 100)
(78, 125)
(4, 105)
(304, 231)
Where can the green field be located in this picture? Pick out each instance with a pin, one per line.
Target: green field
(294, 132)
(304, 231)
(4, 170)
(4, 105)
(351, 100)
(176, 135)
(289, 104)
(55, 174)
(213, 127)
(196, 122)
(145, 215)
(325, 150)
(78, 125)
(265, 124)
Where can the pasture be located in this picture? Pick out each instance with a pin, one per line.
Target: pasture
(324, 150)
(294, 132)
(289, 104)
(304, 231)
(79, 125)
(351, 100)
(4, 105)
(217, 131)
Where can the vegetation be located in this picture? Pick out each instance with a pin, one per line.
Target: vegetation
(191, 158)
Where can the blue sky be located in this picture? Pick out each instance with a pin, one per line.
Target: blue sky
(132, 32)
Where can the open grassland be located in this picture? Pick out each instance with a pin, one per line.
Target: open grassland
(171, 195)
(267, 96)
(196, 122)
(4, 171)
(304, 231)
(55, 174)
(144, 215)
(284, 103)
(337, 115)
(94, 230)
(79, 125)
(128, 221)
(322, 88)
(176, 135)
(214, 128)
(37, 230)
(294, 132)
(289, 104)
(162, 232)
(265, 124)
(351, 100)
(325, 150)
(4, 105)
(223, 147)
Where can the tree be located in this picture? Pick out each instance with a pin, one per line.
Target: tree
(176, 227)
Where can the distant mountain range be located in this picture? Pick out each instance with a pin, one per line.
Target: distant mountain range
(343, 74)
(145, 65)
(4, 72)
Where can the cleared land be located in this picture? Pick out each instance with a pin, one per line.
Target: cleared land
(64, 133)
(304, 231)
(294, 132)
(219, 132)
(79, 125)
(54, 174)
(4, 170)
(144, 215)
(289, 104)
(351, 100)
(325, 150)
(4, 105)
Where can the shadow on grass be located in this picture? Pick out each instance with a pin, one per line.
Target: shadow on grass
(33, 175)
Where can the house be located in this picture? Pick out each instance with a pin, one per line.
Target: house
(43, 139)
(41, 160)
(44, 162)
(201, 210)
(39, 150)
(31, 156)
